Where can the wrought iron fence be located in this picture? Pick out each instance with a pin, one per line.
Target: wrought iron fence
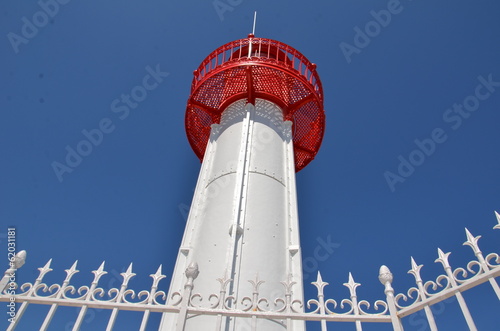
(392, 309)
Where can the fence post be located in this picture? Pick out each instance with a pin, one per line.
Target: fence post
(18, 262)
(472, 243)
(255, 298)
(127, 275)
(88, 296)
(191, 273)
(224, 281)
(352, 285)
(415, 271)
(320, 285)
(443, 259)
(156, 279)
(385, 277)
(60, 293)
(288, 299)
(46, 268)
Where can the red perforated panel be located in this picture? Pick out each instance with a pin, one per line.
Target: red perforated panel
(258, 68)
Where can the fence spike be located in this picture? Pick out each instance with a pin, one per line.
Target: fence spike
(415, 270)
(98, 273)
(352, 285)
(47, 265)
(288, 284)
(101, 267)
(157, 276)
(443, 258)
(73, 267)
(472, 241)
(45, 269)
(127, 275)
(158, 271)
(498, 220)
(413, 263)
(71, 271)
(320, 284)
(224, 280)
(318, 277)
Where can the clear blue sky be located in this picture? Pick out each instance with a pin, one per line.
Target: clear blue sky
(126, 200)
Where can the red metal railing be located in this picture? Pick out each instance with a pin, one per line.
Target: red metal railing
(270, 51)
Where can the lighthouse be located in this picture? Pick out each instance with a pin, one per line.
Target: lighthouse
(254, 118)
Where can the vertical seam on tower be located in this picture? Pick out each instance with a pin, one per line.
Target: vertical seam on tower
(244, 192)
(237, 204)
(288, 200)
(293, 216)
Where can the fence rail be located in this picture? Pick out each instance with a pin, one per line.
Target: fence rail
(390, 310)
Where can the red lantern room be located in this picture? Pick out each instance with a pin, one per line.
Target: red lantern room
(258, 68)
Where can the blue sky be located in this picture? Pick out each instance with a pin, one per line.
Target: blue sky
(417, 76)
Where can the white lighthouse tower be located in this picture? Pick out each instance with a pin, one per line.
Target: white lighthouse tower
(254, 117)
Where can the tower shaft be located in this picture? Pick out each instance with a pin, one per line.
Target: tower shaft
(243, 222)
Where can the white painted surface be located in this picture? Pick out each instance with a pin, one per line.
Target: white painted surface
(243, 219)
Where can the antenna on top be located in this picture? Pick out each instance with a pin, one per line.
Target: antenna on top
(254, 21)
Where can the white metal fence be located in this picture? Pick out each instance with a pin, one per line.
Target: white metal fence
(392, 309)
